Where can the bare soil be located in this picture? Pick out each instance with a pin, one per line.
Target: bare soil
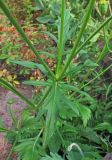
(10, 100)
(108, 156)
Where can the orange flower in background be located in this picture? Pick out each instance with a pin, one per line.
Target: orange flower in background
(0, 17)
(27, 29)
(11, 29)
(2, 28)
(16, 35)
(0, 40)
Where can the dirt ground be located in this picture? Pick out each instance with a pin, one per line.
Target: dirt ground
(10, 100)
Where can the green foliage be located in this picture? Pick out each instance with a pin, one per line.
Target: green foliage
(104, 126)
(67, 110)
(27, 64)
(54, 157)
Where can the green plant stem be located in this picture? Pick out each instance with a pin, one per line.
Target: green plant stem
(37, 138)
(74, 53)
(106, 41)
(100, 74)
(101, 56)
(75, 145)
(11, 88)
(104, 52)
(92, 80)
(22, 33)
(44, 97)
(60, 45)
(10, 153)
(94, 33)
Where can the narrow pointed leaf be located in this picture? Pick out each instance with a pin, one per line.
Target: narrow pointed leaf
(37, 83)
(29, 64)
